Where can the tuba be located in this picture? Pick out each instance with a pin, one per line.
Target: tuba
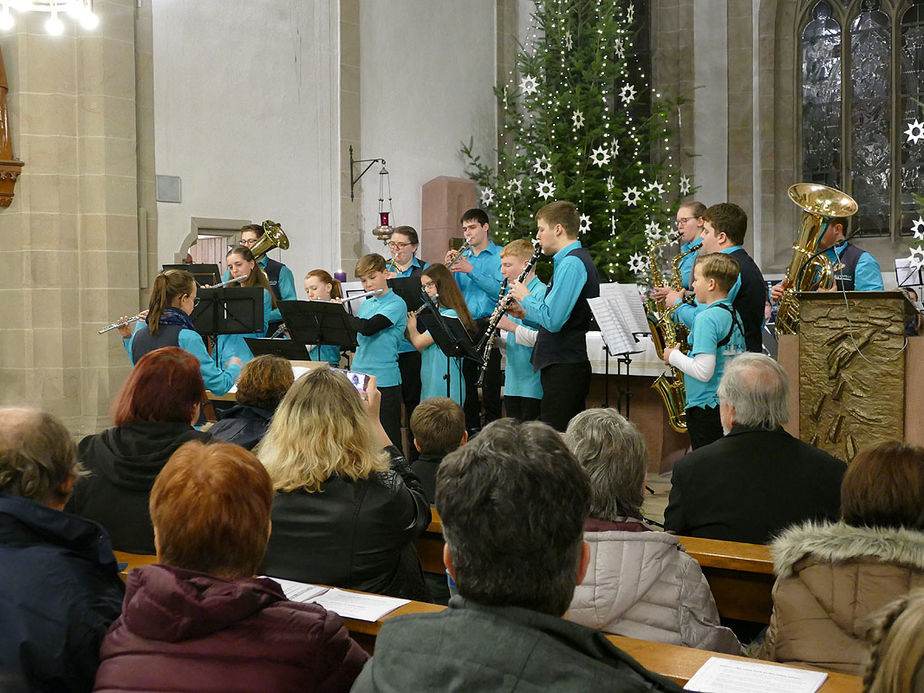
(809, 271)
(273, 237)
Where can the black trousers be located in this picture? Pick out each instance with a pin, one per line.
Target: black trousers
(409, 364)
(564, 392)
(390, 413)
(704, 425)
(490, 388)
(522, 408)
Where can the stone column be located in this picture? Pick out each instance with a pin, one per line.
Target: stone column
(70, 237)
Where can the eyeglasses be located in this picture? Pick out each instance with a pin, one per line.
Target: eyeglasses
(683, 220)
(398, 246)
(248, 242)
(429, 285)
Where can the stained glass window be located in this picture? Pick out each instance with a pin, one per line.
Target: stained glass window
(855, 119)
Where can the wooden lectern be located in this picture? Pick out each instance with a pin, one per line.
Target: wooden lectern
(855, 379)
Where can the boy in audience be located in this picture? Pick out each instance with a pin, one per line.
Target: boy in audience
(438, 427)
(522, 385)
(513, 504)
(716, 335)
(59, 581)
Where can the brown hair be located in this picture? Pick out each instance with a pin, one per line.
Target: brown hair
(256, 228)
(264, 382)
(450, 296)
(521, 249)
(561, 212)
(324, 276)
(165, 385)
(883, 487)
(167, 286)
(438, 424)
(719, 266)
(256, 277)
(409, 231)
(730, 219)
(367, 264)
(210, 507)
(698, 209)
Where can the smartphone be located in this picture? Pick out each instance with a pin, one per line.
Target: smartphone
(359, 380)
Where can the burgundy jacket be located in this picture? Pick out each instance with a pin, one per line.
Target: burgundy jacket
(187, 631)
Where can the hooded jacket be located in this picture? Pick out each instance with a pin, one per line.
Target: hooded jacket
(186, 631)
(641, 584)
(830, 579)
(59, 591)
(242, 425)
(123, 463)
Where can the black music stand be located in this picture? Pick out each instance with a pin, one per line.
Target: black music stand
(409, 289)
(450, 335)
(233, 310)
(205, 274)
(318, 322)
(285, 348)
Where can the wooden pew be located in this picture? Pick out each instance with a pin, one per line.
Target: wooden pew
(740, 575)
(132, 560)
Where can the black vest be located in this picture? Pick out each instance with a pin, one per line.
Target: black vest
(272, 273)
(845, 270)
(144, 342)
(750, 301)
(569, 345)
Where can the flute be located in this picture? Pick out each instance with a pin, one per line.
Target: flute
(428, 301)
(229, 282)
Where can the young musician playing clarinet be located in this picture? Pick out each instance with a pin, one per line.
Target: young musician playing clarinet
(522, 386)
(562, 315)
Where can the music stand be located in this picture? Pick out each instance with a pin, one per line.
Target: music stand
(318, 322)
(286, 348)
(450, 335)
(233, 310)
(907, 273)
(409, 289)
(205, 274)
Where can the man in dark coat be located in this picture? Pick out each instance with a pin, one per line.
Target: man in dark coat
(513, 504)
(59, 582)
(758, 479)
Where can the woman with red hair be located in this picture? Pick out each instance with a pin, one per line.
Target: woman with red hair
(153, 416)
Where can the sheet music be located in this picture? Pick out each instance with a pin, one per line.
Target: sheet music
(361, 606)
(626, 297)
(720, 675)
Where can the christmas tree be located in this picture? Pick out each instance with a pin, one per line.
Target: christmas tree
(580, 124)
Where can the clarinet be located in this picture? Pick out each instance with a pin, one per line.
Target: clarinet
(503, 302)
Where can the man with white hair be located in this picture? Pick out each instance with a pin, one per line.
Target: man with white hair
(757, 479)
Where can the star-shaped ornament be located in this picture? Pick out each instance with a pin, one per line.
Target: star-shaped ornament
(917, 227)
(568, 41)
(630, 13)
(529, 85)
(627, 93)
(653, 232)
(585, 223)
(637, 263)
(632, 196)
(545, 189)
(614, 148)
(915, 132)
(684, 185)
(578, 119)
(515, 185)
(542, 166)
(487, 197)
(600, 157)
(619, 49)
(610, 181)
(656, 187)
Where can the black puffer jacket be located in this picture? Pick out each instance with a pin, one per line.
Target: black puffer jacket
(242, 425)
(124, 462)
(353, 534)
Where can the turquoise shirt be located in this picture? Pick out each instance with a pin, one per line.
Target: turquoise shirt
(433, 371)
(406, 347)
(687, 313)
(325, 352)
(377, 354)
(686, 265)
(286, 285)
(551, 310)
(216, 380)
(520, 380)
(481, 286)
(709, 328)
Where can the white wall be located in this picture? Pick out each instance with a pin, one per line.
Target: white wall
(427, 75)
(246, 113)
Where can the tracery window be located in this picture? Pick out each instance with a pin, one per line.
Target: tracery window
(862, 89)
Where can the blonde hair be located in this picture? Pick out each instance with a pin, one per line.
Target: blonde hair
(897, 658)
(367, 264)
(320, 429)
(521, 249)
(719, 266)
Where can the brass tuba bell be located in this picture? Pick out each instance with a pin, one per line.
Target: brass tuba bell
(273, 237)
(807, 270)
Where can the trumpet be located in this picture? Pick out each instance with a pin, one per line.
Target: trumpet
(459, 253)
(125, 321)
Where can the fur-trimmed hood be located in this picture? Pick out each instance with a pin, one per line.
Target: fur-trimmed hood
(835, 542)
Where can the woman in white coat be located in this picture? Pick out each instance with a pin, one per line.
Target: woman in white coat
(640, 583)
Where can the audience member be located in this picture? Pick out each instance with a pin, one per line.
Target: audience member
(513, 504)
(198, 620)
(153, 415)
(59, 582)
(639, 583)
(262, 385)
(346, 512)
(438, 427)
(758, 479)
(832, 577)
(897, 658)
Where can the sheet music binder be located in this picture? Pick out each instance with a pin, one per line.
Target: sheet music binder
(620, 315)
